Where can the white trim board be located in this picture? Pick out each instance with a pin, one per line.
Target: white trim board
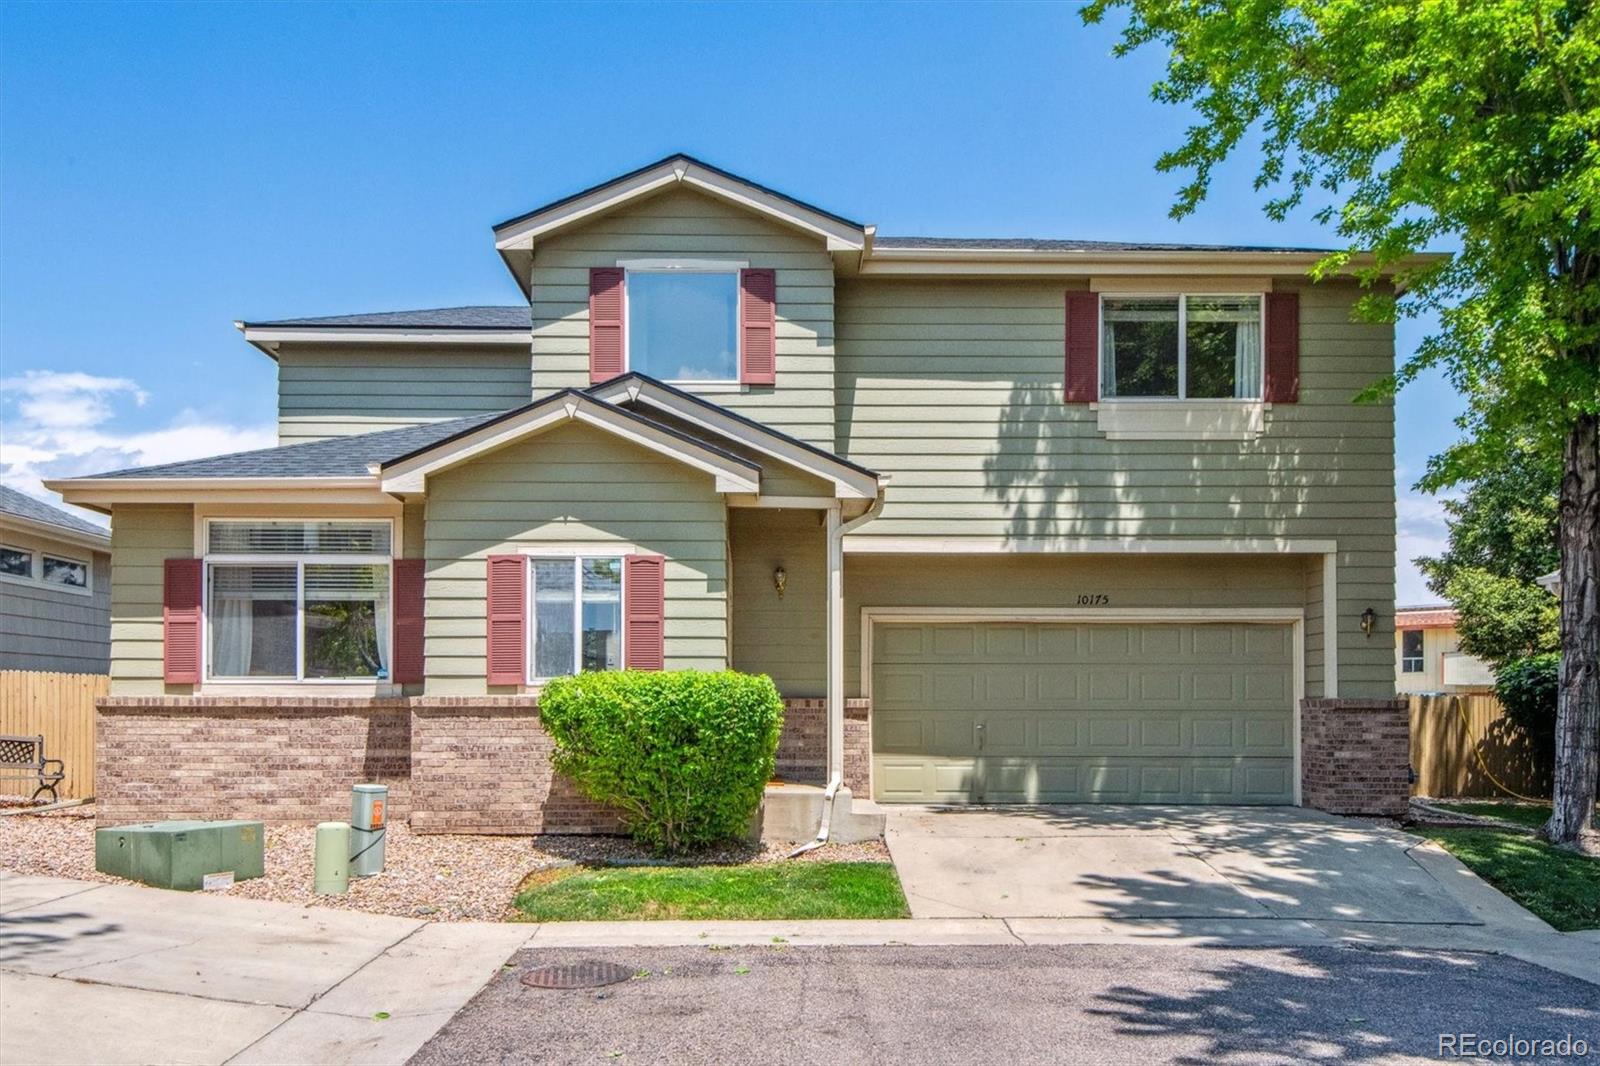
(1294, 617)
(524, 232)
(730, 474)
(866, 544)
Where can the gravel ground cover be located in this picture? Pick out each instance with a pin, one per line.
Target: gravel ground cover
(437, 877)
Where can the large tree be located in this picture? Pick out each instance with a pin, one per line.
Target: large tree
(1408, 122)
(1503, 537)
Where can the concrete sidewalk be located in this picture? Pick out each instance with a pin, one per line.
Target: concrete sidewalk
(98, 973)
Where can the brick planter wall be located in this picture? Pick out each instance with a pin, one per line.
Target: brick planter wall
(274, 759)
(803, 745)
(482, 765)
(1355, 755)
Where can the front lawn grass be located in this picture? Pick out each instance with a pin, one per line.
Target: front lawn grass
(1532, 815)
(769, 890)
(1558, 886)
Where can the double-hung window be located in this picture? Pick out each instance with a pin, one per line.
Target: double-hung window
(683, 320)
(293, 601)
(1411, 651)
(577, 614)
(1186, 347)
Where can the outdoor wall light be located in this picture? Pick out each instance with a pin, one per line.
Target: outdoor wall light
(780, 578)
(1369, 618)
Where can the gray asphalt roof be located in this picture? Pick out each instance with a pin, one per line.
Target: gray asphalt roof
(1030, 244)
(480, 316)
(22, 505)
(335, 457)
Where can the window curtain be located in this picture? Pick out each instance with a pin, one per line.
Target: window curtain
(1108, 358)
(232, 622)
(1247, 359)
(382, 621)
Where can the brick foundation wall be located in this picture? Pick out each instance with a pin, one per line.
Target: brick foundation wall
(273, 759)
(1355, 755)
(482, 765)
(803, 745)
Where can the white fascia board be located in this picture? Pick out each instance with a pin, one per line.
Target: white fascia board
(522, 234)
(912, 262)
(848, 484)
(77, 538)
(864, 544)
(411, 474)
(377, 335)
(101, 493)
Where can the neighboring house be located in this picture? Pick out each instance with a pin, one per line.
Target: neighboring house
(1428, 656)
(55, 588)
(1005, 520)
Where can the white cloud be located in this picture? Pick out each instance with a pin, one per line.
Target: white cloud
(1420, 530)
(55, 424)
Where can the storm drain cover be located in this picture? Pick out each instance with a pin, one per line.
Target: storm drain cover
(588, 974)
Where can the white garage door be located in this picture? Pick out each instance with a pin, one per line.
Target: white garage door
(995, 712)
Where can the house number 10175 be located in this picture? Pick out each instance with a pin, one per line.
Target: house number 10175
(1093, 599)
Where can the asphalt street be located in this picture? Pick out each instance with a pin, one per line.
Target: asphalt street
(776, 1004)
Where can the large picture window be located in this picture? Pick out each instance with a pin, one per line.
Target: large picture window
(1180, 347)
(683, 322)
(293, 601)
(577, 615)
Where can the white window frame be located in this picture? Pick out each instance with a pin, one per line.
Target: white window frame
(683, 266)
(1183, 347)
(1421, 658)
(299, 562)
(35, 578)
(576, 557)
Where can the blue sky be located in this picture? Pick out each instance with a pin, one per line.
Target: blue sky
(167, 169)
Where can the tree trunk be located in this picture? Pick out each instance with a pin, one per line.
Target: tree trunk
(1578, 705)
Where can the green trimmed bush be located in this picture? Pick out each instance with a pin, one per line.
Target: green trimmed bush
(684, 754)
(1528, 688)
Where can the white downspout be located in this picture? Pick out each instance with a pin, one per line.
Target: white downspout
(835, 702)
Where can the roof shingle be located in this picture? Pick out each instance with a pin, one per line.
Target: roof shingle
(479, 316)
(22, 505)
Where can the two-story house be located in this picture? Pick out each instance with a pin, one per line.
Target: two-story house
(1005, 520)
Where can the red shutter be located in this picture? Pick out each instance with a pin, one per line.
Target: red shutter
(180, 621)
(508, 619)
(758, 327)
(607, 302)
(644, 597)
(405, 666)
(1283, 348)
(1083, 347)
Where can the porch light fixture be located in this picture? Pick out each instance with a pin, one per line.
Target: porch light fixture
(1369, 618)
(780, 579)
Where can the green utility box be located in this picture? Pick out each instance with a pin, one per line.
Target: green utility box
(180, 854)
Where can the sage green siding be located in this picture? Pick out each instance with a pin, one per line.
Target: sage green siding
(782, 636)
(682, 224)
(143, 537)
(572, 485)
(340, 390)
(953, 388)
(47, 627)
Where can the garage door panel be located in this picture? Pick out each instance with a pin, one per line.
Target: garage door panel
(1081, 712)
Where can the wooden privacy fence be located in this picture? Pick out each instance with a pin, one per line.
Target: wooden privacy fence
(1452, 762)
(61, 707)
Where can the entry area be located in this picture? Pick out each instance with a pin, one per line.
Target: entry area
(1172, 712)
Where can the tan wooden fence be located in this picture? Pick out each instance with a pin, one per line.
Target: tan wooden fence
(61, 708)
(1454, 762)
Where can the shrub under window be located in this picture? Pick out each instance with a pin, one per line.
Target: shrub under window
(684, 755)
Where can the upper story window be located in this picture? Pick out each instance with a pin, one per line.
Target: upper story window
(683, 320)
(71, 573)
(16, 562)
(1411, 651)
(1180, 347)
(298, 600)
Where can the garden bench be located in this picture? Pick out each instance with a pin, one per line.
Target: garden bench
(22, 759)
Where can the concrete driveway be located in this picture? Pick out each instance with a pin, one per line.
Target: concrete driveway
(1218, 863)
